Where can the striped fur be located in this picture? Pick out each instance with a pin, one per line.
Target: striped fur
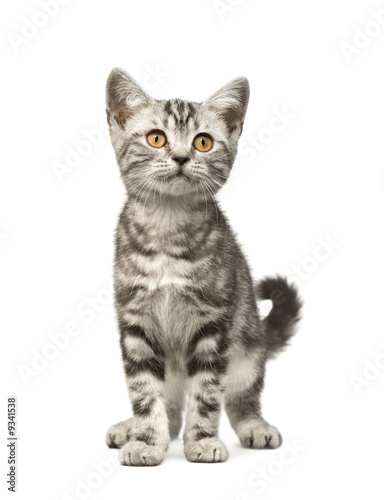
(184, 295)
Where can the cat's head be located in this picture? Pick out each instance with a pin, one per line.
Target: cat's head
(174, 147)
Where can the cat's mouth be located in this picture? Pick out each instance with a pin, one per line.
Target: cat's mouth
(179, 183)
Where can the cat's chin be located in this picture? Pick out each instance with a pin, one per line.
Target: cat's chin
(177, 185)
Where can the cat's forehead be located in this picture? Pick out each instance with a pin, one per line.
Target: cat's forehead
(179, 113)
(182, 116)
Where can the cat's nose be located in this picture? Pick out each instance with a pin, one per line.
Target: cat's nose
(181, 160)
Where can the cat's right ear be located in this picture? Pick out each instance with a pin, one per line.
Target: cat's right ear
(124, 97)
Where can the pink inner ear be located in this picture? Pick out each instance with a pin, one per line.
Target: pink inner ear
(122, 116)
(231, 117)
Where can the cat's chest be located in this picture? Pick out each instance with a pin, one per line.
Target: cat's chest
(168, 308)
(161, 267)
(173, 315)
(163, 271)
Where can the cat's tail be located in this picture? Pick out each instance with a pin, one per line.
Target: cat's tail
(280, 324)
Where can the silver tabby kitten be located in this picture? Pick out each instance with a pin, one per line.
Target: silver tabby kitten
(185, 299)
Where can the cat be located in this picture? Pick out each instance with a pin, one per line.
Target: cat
(185, 300)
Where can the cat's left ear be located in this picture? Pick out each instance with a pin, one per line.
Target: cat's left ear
(231, 102)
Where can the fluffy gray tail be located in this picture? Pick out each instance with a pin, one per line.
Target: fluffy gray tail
(280, 324)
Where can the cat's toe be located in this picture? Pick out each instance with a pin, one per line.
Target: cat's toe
(258, 434)
(118, 434)
(207, 450)
(138, 453)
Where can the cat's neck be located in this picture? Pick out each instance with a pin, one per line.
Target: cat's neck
(168, 216)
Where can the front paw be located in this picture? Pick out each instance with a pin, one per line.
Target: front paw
(119, 433)
(259, 434)
(140, 453)
(207, 450)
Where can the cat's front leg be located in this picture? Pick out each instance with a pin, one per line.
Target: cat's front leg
(206, 364)
(145, 375)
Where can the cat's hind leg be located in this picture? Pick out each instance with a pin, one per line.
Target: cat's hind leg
(242, 404)
(118, 434)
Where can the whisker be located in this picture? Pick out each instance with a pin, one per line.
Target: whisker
(211, 192)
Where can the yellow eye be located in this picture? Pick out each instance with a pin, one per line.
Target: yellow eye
(203, 143)
(156, 139)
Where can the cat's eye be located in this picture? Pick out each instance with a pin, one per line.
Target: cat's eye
(156, 139)
(203, 143)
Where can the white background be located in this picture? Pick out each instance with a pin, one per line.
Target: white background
(320, 177)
